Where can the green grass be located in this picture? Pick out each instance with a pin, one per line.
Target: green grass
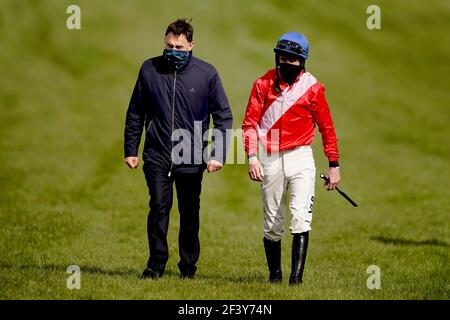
(67, 198)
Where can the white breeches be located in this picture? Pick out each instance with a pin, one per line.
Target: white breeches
(292, 172)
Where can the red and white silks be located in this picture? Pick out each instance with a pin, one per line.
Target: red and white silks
(285, 121)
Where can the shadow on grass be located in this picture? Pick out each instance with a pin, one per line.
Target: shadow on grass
(128, 272)
(408, 242)
(61, 268)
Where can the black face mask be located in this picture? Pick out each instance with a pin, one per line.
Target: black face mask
(289, 72)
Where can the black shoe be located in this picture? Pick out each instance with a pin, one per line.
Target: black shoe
(299, 250)
(188, 273)
(273, 255)
(276, 276)
(152, 273)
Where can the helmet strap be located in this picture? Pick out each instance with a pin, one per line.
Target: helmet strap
(277, 77)
(302, 64)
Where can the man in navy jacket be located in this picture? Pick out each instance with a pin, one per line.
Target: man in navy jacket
(174, 96)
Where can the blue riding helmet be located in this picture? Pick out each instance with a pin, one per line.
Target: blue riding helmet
(294, 44)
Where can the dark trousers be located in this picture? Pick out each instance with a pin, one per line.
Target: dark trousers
(188, 187)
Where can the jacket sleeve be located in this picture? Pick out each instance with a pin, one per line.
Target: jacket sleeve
(220, 111)
(135, 118)
(322, 116)
(252, 118)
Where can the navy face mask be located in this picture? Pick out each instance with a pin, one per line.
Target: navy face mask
(289, 72)
(176, 58)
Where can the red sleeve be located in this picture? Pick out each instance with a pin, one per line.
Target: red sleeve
(252, 118)
(322, 116)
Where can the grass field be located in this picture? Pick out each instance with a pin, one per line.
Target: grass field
(67, 198)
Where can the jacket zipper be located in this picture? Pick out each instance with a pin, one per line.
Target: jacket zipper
(173, 120)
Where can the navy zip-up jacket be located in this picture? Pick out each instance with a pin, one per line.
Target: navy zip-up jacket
(165, 100)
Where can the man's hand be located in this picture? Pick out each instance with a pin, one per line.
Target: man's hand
(255, 170)
(132, 162)
(214, 165)
(334, 178)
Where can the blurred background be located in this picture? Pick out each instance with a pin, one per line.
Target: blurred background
(67, 198)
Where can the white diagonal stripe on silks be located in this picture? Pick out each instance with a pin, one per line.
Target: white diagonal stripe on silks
(285, 101)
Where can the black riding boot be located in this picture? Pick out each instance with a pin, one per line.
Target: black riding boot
(299, 249)
(273, 255)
